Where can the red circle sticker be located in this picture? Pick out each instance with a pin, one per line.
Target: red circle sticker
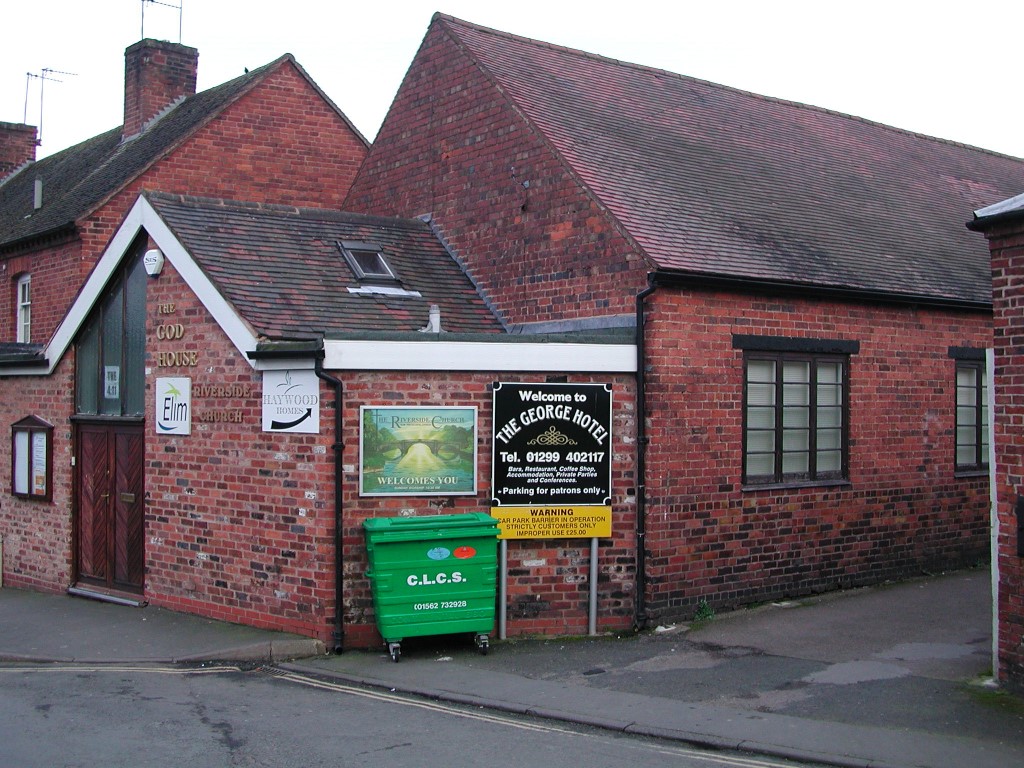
(464, 553)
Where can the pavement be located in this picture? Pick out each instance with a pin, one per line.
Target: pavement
(895, 675)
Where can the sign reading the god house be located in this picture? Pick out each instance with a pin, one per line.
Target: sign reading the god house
(552, 445)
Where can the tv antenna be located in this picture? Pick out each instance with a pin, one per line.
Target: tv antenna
(45, 74)
(177, 7)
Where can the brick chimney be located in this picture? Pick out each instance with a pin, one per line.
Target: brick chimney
(156, 74)
(17, 146)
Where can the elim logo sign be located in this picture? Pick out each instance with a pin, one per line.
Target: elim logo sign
(174, 406)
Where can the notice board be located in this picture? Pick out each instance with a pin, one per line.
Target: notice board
(551, 468)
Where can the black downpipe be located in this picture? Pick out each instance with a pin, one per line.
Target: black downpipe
(640, 617)
(339, 539)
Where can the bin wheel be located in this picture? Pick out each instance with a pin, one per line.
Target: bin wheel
(395, 649)
(482, 644)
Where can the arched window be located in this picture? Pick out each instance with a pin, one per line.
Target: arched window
(110, 349)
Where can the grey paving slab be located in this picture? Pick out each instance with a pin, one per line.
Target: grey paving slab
(56, 627)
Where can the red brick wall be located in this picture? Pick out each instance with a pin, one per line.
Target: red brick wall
(17, 146)
(52, 291)
(454, 148)
(156, 73)
(37, 534)
(239, 522)
(1007, 247)
(904, 511)
(232, 533)
(280, 143)
(548, 581)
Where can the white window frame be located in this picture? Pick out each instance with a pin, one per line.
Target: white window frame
(381, 270)
(973, 417)
(24, 313)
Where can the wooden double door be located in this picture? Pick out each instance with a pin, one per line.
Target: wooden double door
(110, 530)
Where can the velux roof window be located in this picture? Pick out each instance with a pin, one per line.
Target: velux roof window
(367, 261)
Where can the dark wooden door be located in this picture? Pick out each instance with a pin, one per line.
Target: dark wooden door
(110, 532)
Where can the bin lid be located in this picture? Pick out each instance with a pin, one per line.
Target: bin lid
(431, 526)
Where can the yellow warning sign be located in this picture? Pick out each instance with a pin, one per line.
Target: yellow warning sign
(553, 522)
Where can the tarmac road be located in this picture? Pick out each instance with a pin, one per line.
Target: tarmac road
(895, 675)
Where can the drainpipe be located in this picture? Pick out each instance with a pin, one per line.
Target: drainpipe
(640, 617)
(339, 539)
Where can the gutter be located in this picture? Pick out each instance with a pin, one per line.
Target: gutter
(640, 617)
(792, 288)
(26, 241)
(339, 557)
(15, 361)
(1005, 212)
(283, 350)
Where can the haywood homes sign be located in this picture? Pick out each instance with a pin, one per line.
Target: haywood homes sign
(291, 401)
(551, 469)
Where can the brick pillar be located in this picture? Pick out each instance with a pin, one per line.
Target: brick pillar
(156, 74)
(17, 146)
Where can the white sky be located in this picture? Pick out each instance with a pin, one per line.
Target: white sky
(947, 68)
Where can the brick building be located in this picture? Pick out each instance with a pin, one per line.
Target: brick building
(246, 519)
(782, 300)
(810, 302)
(1003, 225)
(270, 135)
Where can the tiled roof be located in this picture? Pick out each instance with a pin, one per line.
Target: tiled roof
(282, 270)
(82, 177)
(710, 179)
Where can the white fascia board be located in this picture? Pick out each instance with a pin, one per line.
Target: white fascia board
(234, 326)
(91, 291)
(478, 356)
(143, 216)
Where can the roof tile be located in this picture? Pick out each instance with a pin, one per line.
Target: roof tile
(78, 179)
(710, 179)
(282, 270)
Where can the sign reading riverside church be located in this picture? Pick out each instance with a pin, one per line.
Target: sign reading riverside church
(417, 451)
(551, 469)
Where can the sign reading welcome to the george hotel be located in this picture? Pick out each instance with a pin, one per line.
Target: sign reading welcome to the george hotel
(551, 469)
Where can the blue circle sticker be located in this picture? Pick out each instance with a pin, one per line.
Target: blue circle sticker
(439, 553)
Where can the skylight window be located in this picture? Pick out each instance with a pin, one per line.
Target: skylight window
(367, 261)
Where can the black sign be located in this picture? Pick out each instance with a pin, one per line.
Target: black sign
(552, 444)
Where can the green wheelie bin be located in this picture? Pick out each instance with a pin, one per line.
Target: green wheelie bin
(433, 575)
